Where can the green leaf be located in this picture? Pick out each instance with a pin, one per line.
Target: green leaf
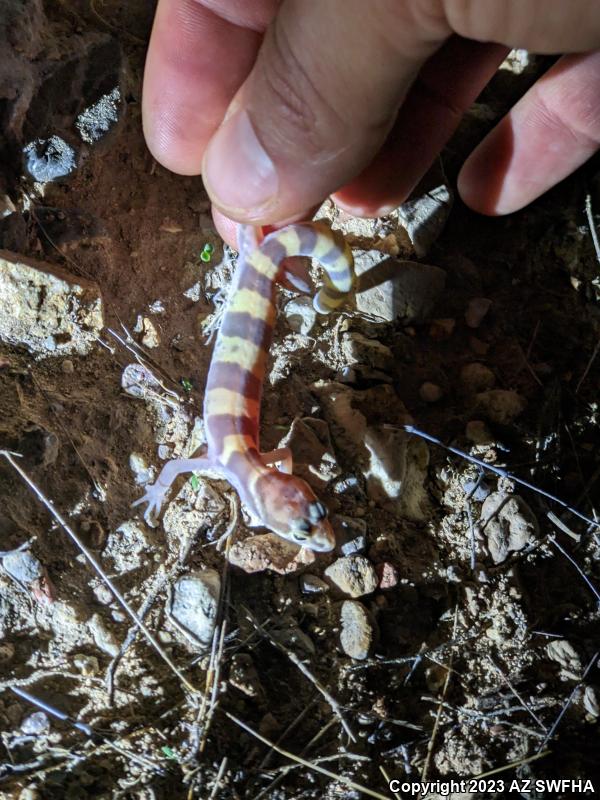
(195, 483)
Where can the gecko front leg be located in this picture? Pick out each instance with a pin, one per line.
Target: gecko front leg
(156, 492)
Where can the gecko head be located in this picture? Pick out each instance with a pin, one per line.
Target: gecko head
(288, 506)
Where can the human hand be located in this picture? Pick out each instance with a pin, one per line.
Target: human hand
(279, 103)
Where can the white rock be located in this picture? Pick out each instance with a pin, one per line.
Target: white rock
(476, 310)
(354, 575)
(105, 640)
(357, 633)
(45, 309)
(563, 652)
(195, 603)
(268, 551)
(424, 217)
(395, 289)
(508, 524)
(300, 315)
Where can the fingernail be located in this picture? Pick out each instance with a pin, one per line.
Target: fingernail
(238, 174)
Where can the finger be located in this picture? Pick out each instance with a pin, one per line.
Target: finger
(227, 228)
(199, 54)
(317, 105)
(550, 132)
(446, 86)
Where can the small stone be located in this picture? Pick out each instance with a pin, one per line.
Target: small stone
(357, 634)
(45, 309)
(478, 346)
(268, 551)
(313, 453)
(590, 702)
(67, 366)
(87, 665)
(502, 406)
(23, 566)
(393, 289)
(476, 310)
(142, 472)
(350, 534)
(425, 216)
(563, 652)
(478, 432)
(387, 574)
(453, 574)
(311, 584)
(150, 337)
(476, 490)
(358, 349)
(49, 159)
(300, 315)
(36, 724)
(354, 576)
(195, 603)
(430, 392)
(508, 524)
(387, 447)
(103, 594)
(441, 329)
(95, 121)
(105, 640)
(476, 377)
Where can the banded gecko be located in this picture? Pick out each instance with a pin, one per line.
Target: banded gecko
(279, 500)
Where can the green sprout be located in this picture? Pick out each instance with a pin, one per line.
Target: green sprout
(187, 384)
(169, 753)
(195, 483)
(206, 253)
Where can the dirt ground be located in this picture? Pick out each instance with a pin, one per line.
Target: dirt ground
(473, 652)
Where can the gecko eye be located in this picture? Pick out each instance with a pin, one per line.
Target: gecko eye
(317, 511)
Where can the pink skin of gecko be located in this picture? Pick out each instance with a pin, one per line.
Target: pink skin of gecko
(280, 501)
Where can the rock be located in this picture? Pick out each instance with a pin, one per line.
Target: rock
(350, 534)
(478, 432)
(476, 310)
(425, 216)
(393, 289)
(563, 652)
(414, 500)
(195, 603)
(430, 392)
(301, 315)
(387, 574)
(508, 524)
(268, 551)
(87, 665)
(7, 651)
(45, 309)
(357, 633)
(105, 640)
(23, 566)
(50, 159)
(590, 702)
(500, 405)
(311, 584)
(36, 724)
(441, 329)
(312, 451)
(96, 120)
(358, 349)
(354, 576)
(476, 377)
(477, 490)
(478, 346)
(387, 463)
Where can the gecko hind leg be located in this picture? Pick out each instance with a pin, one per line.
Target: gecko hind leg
(156, 492)
(282, 457)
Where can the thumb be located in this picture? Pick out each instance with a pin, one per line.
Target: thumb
(318, 104)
